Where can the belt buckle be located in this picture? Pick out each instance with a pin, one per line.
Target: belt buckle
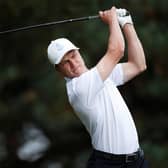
(130, 157)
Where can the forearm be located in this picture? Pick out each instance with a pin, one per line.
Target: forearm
(136, 54)
(115, 48)
(115, 41)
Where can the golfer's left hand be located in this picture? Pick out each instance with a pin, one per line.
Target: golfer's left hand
(123, 18)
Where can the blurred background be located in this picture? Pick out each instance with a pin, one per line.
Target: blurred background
(38, 128)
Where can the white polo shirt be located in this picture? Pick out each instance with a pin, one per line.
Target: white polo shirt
(103, 111)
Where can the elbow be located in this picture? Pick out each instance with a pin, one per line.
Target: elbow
(142, 68)
(117, 51)
(117, 48)
(145, 67)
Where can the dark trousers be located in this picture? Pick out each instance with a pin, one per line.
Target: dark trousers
(100, 159)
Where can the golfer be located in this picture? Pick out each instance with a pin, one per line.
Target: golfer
(94, 96)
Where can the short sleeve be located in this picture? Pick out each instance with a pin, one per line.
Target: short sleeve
(88, 85)
(117, 75)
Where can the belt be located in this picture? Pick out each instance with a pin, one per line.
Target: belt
(125, 158)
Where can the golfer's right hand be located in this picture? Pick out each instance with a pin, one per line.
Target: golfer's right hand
(108, 16)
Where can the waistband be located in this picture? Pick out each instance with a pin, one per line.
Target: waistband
(125, 158)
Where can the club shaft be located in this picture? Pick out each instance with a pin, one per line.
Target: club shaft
(49, 24)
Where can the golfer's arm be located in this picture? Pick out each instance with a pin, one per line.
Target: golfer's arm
(136, 57)
(114, 52)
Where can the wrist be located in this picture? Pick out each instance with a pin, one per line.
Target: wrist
(130, 32)
(127, 25)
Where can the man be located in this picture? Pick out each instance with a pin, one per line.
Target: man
(94, 96)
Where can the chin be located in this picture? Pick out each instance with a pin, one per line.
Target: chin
(76, 75)
(72, 76)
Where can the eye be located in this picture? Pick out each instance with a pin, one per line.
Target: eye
(64, 62)
(73, 55)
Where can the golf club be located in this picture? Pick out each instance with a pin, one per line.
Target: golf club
(51, 24)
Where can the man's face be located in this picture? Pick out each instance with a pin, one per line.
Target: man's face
(72, 64)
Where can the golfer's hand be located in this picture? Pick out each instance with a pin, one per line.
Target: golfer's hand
(108, 16)
(123, 18)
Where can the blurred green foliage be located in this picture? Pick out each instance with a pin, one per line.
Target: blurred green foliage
(31, 91)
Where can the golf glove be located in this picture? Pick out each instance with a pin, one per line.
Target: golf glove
(123, 17)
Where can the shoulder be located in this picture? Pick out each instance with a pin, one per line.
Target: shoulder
(85, 85)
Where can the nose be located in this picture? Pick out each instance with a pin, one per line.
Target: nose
(72, 63)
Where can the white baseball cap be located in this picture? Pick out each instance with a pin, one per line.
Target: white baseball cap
(58, 48)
